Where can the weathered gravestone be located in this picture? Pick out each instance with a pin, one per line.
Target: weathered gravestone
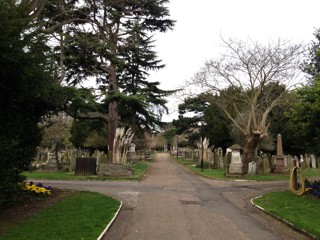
(132, 155)
(313, 161)
(235, 166)
(252, 168)
(51, 164)
(308, 160)
(218, 158)
(279, 158)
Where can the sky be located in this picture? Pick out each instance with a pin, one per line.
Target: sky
(200, 24)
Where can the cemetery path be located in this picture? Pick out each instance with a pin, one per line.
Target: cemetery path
(173, 203)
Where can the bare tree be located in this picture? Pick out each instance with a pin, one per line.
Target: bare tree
(245, 78)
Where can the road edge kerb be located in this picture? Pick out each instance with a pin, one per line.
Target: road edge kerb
(111, 222)
(304, 232)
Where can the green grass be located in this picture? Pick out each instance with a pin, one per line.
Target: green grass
(210, 173)
(301, 211)
(138, 168)
(313, 172)
(83, 215)
(269, 177)
(219, 173)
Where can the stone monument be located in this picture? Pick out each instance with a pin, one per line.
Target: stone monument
(132, 155)
(280, 168)
(235, 166)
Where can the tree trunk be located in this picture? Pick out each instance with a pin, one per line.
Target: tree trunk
(249, 148)
(113, 112)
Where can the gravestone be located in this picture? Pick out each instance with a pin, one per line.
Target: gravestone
(307, 157)
(140, 155)
(132, 155)
(265, 164)
(235, 166)
(218, 158)
(259, 166)
(302, 163)
(51, 164)
(279, 158)
(313, 161)
(252, 168)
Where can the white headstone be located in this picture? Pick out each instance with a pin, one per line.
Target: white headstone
(252, 168)
(313, 161)
(235, 166)
(132, 147)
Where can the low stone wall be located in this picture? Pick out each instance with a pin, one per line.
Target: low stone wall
(113, 169)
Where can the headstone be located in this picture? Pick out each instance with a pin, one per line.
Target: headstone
(147, 155)
(313, 161)
(219, 159)
(302, 163)
(51, 164)
(132, 148)
(285, 161)
(308, 160)
(289, 161)
(259, 166)
(279, 158)
(235, 166)
(252, 168)
(140, 155)
(265, 164)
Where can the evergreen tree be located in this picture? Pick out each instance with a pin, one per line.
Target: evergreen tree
(28, 93)
(104, 44)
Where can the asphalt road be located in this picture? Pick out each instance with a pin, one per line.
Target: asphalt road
(173, 203)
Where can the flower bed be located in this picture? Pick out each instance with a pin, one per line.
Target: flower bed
(37, 189)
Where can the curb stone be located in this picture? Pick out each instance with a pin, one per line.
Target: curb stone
(111, 222)
(304, 232)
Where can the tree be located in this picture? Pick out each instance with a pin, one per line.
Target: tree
(56, 132)
(146, 102)
(29, 93)
(95, 46)
(89, 134)
(304, 112)
(203, 107)
(250, 68)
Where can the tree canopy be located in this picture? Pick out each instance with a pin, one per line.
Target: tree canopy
(110, 43)
(29, 93)
(253, 71)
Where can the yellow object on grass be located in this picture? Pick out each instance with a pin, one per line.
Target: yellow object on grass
(293, 186)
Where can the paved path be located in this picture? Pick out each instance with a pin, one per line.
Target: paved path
(173, 203)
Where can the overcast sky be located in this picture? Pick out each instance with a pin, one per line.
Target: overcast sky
(200, 23)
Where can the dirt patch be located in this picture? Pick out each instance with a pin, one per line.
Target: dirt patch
(28, 207)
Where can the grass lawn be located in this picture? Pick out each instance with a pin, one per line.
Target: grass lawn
(219, 173)
(83, 215)
(302, 211)
(138, 168)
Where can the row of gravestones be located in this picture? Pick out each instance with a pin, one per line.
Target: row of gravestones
(260, 165)
(51, 161)
(67, 159)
